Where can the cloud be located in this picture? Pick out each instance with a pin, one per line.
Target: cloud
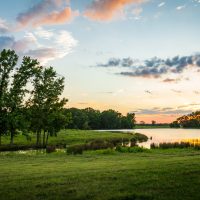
(42, 33)
(21, 45)
(43, 54)
(152, 68)
(171, 80)
(148, 92)
(176, 91)
(47, 12)
(106, 10)
(60, 45)
(28, 41)
(180, 7)
(57, 17)
(137, 11)
(161, 4)
(6, 42)
(4, 26)
(162, 111)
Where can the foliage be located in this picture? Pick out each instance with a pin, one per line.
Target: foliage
(29, 98)
(187, 121)
(90, 118)
(75, 149)
(134, 149)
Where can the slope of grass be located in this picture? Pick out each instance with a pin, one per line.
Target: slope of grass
(157, 174)
(68, 137)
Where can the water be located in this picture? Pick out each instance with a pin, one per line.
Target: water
(160, 135)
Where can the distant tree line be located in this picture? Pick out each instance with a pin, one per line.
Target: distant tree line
(90, 118)
(187, 121)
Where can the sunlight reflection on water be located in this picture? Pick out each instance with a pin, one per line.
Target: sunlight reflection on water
(160, 135)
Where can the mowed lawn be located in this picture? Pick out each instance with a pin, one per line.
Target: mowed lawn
(157, 174)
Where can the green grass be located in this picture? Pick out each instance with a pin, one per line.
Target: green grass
(102, 175)
(69, 137)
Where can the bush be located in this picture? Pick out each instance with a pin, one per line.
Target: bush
(135, 149)
(94, 145)
(19, 147)
(75, 149)
(50, 149)
(117, 141)
(140, 137)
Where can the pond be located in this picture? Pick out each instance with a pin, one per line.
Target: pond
(160, 135)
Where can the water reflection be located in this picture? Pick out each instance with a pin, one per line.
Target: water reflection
(166, 135)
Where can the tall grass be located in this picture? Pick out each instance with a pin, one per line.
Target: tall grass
(170, 145)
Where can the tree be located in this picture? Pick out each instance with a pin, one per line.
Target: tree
(13, 82)
(79, 119)
(110, 119)
(93, 118)
(16, 94)
(45, 104)
(153, 122)
(8, 60)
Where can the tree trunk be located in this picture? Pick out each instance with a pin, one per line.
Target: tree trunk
(47, 139)
(44, 138)
(38, 138)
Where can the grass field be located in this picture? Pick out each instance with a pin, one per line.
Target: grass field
(101, 175)
(68, 137)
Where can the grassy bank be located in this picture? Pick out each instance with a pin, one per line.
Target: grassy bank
(101, 175)
(68, 137)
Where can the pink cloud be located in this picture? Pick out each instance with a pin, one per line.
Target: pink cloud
(57, 17)
(105, 10)
(47, 12)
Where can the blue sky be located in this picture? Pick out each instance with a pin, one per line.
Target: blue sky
(106, 49)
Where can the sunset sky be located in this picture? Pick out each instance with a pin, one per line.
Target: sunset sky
(139, 56)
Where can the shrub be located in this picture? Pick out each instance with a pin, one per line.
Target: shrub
(50, 149)
(140, 137)
(75, 149)
(99, 144)
(19, 147)
(117, 141)
(133, 142)
(135, 149)
(94, 145)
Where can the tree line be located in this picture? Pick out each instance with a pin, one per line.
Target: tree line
(187, 121)
(90, 118)
(30, 103)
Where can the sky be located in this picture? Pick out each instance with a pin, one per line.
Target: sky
(140, 56)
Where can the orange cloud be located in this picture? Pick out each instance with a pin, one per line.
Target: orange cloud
(57, 17)
(105, 10)
(46, 12)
